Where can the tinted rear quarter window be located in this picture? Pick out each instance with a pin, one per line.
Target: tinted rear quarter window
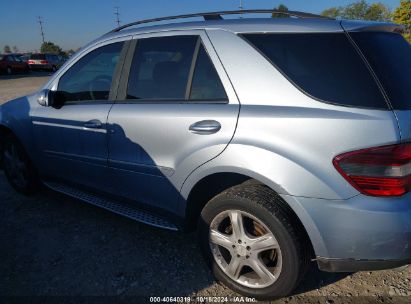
(389, 54)
(325, 66)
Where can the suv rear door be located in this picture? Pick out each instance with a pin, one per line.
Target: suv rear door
(175, 110)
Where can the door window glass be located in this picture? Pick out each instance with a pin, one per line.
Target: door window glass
(90, 77)
(161, 68)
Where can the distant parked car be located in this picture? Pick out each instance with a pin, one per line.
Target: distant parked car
(24, 57)
(49, 62)
(11, 63)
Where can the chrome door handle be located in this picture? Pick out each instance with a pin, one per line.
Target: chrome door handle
(205, 127)
(93, 124)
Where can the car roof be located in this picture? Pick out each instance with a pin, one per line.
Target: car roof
(249, 25)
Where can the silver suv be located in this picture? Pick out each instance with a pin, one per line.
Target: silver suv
(283, 140)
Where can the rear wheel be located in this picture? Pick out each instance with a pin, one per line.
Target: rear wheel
(248, 239)
(18, 168)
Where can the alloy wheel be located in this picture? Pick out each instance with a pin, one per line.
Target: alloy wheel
(245, 249)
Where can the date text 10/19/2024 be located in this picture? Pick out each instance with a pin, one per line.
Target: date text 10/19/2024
(200, 299)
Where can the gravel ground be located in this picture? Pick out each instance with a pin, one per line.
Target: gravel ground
(53, 245)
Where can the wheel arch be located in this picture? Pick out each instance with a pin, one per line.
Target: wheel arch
(213, 184)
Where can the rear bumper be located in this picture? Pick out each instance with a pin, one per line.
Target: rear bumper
(351, 265)
(361, 233)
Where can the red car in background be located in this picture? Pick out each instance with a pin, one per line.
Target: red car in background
(10, 64)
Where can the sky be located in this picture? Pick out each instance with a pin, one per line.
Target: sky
(73, 23)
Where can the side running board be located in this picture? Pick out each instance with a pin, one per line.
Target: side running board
(125, 209)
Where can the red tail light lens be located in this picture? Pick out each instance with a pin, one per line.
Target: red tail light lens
(381, 171)
(43, 62)
(30, 62)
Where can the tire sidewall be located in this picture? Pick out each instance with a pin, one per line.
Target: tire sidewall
(289, 275)
(32, 180)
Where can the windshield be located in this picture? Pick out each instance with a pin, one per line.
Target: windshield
(389, 55)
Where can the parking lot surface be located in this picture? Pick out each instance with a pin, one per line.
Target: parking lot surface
(53, 245)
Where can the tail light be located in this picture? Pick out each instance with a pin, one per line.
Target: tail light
(381, 171)
(30, 61)
(43, 62)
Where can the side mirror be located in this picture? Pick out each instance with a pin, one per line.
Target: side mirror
(45, 98)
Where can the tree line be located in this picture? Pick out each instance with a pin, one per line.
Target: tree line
(362, 10)
(46, 47)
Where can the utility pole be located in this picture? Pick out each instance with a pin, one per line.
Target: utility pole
(40, 21)
(117, 14)
(241, 7)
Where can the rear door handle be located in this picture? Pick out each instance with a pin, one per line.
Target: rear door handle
(205, 127)
(93, 124)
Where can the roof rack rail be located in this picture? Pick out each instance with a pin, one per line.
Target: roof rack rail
(218, 16)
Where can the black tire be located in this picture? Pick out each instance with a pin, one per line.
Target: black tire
(265, 205)
(21, 174)
(53, 68)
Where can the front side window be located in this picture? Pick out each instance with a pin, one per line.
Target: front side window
(90, 78)
(326, 66)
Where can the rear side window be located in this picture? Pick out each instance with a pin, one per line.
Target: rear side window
(38, 56)
(206, 84)
(389, 54)
(161, 68)
(325, 66)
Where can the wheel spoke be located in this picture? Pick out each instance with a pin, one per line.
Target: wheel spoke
(263, 243)
(235, 267)
(237, 224)
(221, 239)
(261, 270)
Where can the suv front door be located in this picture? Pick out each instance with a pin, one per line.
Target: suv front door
(72, 135)
(175, 110)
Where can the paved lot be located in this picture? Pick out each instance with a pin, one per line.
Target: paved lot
(57, 246)
(20, 85)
